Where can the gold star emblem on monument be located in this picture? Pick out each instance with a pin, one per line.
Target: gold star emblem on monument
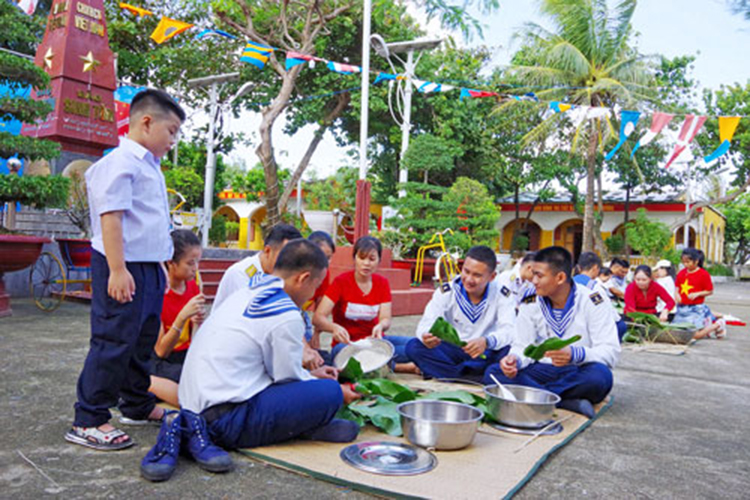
(48, 58)
(89, 63)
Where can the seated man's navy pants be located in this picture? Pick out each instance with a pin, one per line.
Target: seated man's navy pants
(450, 361)
(591, 381)
(278, 413)
(118, 365)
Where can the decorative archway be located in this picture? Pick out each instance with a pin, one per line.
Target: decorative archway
(569, 234)
(533, 232)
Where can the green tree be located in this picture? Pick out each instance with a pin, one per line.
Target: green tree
(191, 167)
(428, 153)
(650, 238)
(585, 59)
(336, 192)
(737, 234)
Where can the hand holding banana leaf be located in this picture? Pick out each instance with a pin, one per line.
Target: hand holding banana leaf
(445, 332)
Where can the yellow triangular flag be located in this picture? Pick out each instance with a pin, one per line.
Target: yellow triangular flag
(727, 126)
(138, 11)
(168, 28)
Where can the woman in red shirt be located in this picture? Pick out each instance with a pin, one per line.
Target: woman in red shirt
(181, 314)
(642, 294)
(360, 304)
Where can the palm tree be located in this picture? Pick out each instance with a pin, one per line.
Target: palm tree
(584, 59)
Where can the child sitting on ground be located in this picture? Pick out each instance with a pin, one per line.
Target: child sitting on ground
(665, 276)
(694, 284)
(181, 315)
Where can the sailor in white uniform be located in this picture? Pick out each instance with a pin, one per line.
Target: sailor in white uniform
(242, 274)
(243, 373)
(482, 313)
(581, 374)
(518, 279)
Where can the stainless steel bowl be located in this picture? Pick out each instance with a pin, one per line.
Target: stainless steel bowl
(533, 408)
(442, 425)
(370, 347)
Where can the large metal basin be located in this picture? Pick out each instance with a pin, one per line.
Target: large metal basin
(533, 408)
(373, 354)
(442, 425)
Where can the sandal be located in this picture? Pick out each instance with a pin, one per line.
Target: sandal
(92, 437)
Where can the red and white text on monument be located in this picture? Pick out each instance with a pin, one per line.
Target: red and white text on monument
(75, 54)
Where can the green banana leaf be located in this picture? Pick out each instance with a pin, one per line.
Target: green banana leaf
(387, 388)
(445, 332)
(382, 414)
(536, 352)
(352, 372)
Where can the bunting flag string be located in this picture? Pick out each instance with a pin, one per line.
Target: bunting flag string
(214, 32)
(727, 127)
(136, 11)
(168, 28)
(256, 54)
(690, 128)
(295, 59)
(427, 87)
(476, 93)
(658, 122)
(628, 121)
(27, 6)
(344, 69)
(382, 77)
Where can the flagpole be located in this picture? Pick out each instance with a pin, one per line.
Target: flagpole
(362, 211)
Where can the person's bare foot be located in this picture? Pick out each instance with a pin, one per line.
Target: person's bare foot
(407, 368)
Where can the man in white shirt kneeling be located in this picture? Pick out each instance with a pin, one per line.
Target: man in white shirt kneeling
(581, 373)
(243, 373)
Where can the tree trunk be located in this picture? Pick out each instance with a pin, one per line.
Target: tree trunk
(342, 101)
(588, 213)
(626, 219)
(265, 148)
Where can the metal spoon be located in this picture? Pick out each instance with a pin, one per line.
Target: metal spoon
(505, 392)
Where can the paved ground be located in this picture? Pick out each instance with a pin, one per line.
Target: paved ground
(677, 428)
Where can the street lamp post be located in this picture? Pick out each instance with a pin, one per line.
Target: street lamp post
(386, 50)
(362, 206)
(215, 83)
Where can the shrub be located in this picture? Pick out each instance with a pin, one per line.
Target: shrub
(650, 238)
(218, 232)
(615, 244)
(39, 192)
(720, 270)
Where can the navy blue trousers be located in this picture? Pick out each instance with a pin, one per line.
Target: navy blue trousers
(591, 381)
(450, 361)
(118, 365)
(278, 413)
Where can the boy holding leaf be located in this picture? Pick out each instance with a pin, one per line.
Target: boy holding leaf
(580, 373)
(482, 314)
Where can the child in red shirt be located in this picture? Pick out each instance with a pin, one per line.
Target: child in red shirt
(360, 304)
(693, 285)
(641, 295)
(182, 313)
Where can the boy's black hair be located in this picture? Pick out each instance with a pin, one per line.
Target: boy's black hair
(367, 244)
(587, 260)
(281, 233)
(483, 254)
(529, 257)
(620, 262)
(557, 258)
(605, 271)
(301, 255)
(182, 240)
(156, 102)
(643, 268)
(319, 237)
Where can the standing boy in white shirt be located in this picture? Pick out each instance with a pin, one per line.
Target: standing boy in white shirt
(482, 312)
(130, 223)
(581, 374)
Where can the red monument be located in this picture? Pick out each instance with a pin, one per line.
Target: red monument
(75, 53)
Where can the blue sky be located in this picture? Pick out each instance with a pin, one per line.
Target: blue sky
(704, 28)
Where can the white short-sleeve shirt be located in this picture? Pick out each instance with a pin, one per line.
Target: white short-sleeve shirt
(129, 179)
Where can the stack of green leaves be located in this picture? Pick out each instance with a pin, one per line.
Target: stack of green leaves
(536, 352)
(352, 372)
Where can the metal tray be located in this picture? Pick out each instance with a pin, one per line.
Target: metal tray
(389, 458)
(555, 429)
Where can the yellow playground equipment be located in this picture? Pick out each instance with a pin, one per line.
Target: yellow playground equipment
(445, 266)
